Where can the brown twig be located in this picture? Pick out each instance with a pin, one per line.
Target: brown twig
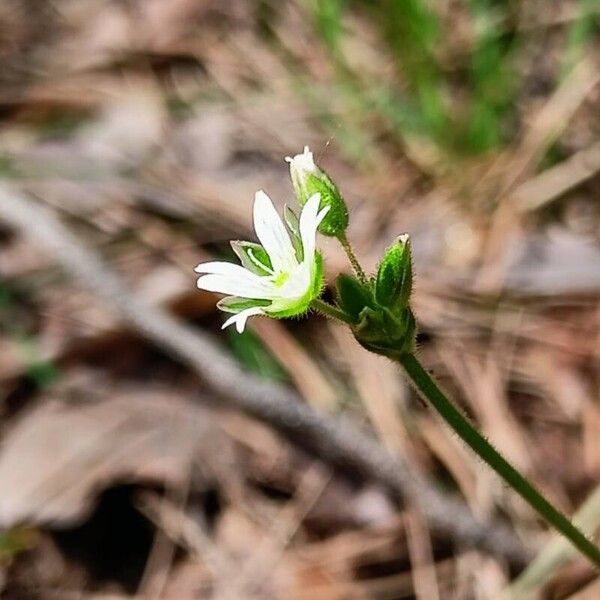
(336, 441)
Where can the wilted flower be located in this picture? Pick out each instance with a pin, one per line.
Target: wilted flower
(281, 276)
(309, 179)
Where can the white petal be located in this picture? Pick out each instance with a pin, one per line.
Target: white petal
(298, 283)
(303, 162)
(322, 214)
(225, 276)
(244, 287)
(224, 268)
(272, 234)
(240, 318)
(310, 218)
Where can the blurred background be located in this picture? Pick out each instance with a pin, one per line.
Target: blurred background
(145, 127)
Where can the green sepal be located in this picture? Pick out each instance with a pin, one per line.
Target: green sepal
(233, 304)
(318, 278)
(336, 221)
(387, 334)
(253, 257)
(291, 220)
(393, 282)
(293, 224)
(352, 295)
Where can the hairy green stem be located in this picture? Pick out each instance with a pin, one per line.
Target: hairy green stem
(352, 257)
(461, 425)
(330, 311)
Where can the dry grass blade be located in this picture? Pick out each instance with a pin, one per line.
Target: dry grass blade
(555, 181)
(484, 389)
(547, 125)
(255, 572)
(456, 458)
(421, 557)
(555, 554)
(381, 391)
(303, 370)
(188, 532)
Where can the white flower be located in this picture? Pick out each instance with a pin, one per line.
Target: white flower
(281, 276)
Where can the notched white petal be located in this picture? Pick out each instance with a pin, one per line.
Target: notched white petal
(240, 318)
(223, 268)
(262, 289)
(272, 233)
(302, 162)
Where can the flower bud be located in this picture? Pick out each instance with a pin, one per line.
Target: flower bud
(308, 179)
(393, 283)
(353, 296)
(386, 333)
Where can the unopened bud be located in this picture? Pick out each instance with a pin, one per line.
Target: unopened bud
(308, 179)
(393, 283)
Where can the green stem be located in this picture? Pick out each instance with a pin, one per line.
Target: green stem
(352, 257)
(331, 311)
(460, 424)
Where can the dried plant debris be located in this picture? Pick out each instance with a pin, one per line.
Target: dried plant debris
(58, 457)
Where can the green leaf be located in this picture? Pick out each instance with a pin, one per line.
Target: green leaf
(254, 356)
(43, 373)
(352, 295)
(253, 257)
(14, 541)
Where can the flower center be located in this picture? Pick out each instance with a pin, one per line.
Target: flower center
(281, 278)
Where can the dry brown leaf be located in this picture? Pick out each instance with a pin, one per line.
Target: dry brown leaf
(58, 457)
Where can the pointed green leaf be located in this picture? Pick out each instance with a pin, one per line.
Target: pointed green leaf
(249, 349)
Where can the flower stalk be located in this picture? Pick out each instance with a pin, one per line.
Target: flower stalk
(457, 421)
(352, 257)
(328, 310)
